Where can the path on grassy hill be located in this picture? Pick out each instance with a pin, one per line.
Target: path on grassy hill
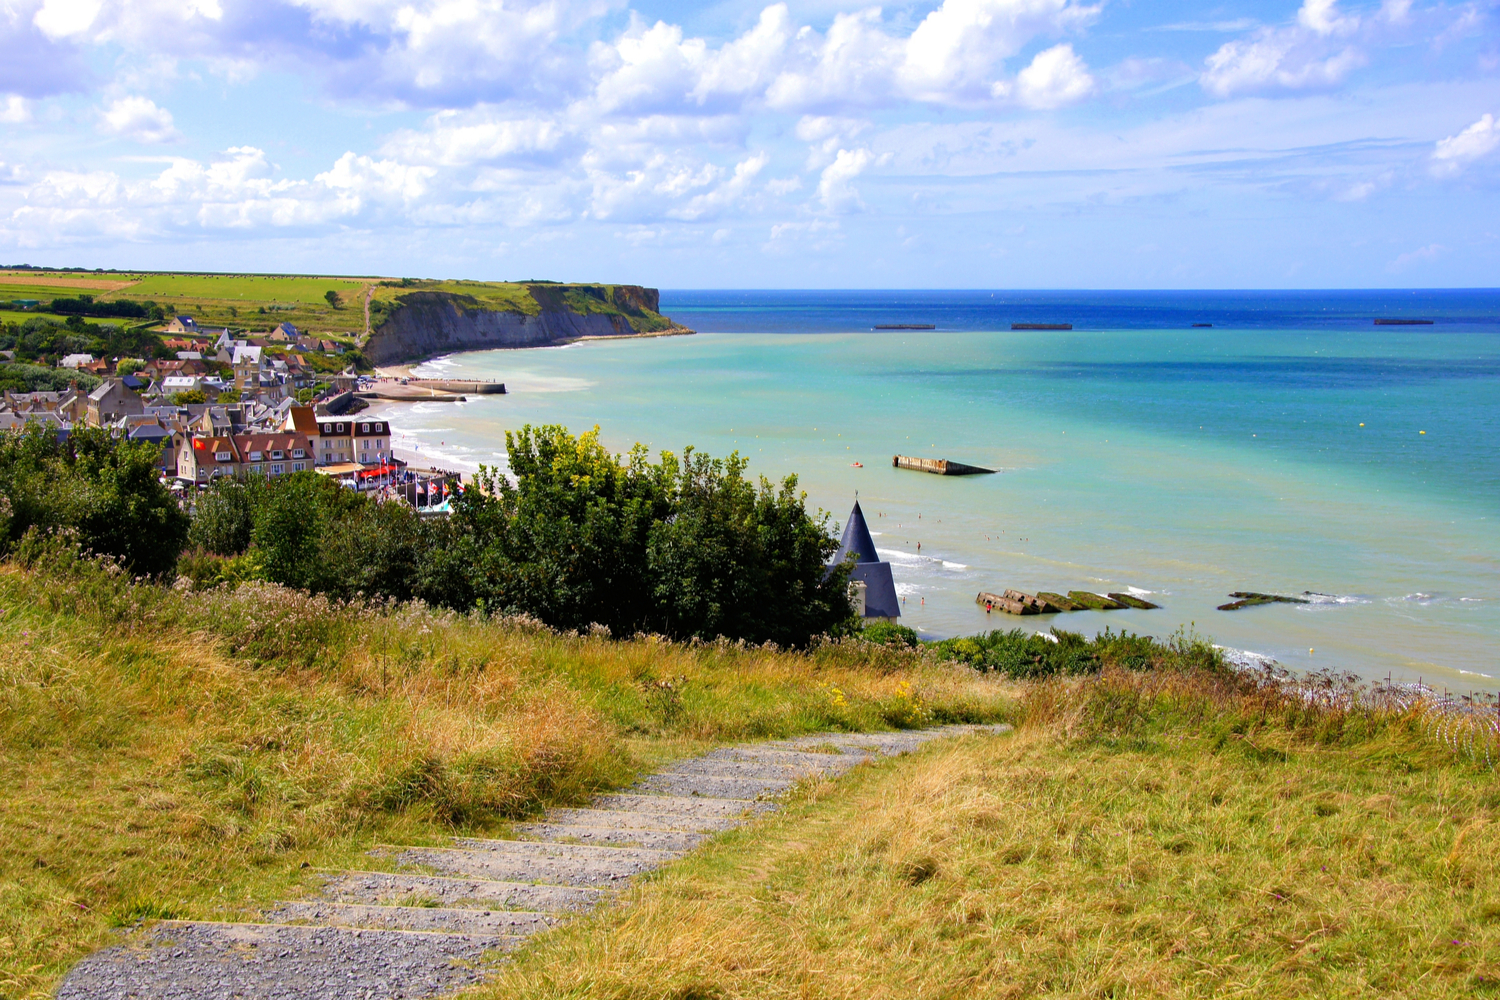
(424, 928)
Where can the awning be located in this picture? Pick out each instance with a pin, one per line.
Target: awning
(379, 471)
(339, 469)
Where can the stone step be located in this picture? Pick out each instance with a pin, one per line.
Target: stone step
(817, 759)
(631, 837)
(713, 786)
(397, 888)
(897, 742)
(520, 867)
(204, 959)
(451, 919)
(760, 769)
(690, 806)
(656, 820)
(605, 855)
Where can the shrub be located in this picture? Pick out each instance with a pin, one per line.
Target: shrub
(102, 490)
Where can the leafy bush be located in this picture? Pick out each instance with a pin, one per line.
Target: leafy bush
(101, 489)
(21, 378)
(1018, 654)
(225, 516)
(890, 634)
(684, 547)
(687, 548)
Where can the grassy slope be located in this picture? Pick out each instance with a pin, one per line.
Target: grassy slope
(178, 754)
(1078, 862)
(235, 300)
(524, 298)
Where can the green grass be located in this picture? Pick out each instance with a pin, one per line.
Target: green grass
(504, 296)
(252, 289)
(166, 752)
(1159, 836)
(21, 316)
(236, 301)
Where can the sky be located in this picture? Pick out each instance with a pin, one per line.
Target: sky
(818, 144)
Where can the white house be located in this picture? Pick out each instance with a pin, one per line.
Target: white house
(181, 384)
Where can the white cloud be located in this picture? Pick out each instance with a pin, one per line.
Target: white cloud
(1451, 155)
(1302, 56)
(65, 18)
(361, 179)
(953, 53)
(825, 134)
(1418, 256)
(480, 135)
(14, 110)
(139, 120)
(1055, 77)
(836, 185)
(1322, 17)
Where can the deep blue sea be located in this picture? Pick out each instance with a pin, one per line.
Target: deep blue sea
(1292, 446)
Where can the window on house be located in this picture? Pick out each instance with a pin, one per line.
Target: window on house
(278, 454)
(254, 456)
(276, 470)
(221, 456)
(298, 453)
(296, 467)
(365, 428)
(341, 427)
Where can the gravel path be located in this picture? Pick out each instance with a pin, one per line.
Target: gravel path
(426, 929)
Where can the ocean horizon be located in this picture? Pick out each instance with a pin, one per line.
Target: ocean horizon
(1177, 445)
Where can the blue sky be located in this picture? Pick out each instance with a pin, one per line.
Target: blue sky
(968, 143)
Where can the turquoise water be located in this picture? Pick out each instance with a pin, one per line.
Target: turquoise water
(1278, 454)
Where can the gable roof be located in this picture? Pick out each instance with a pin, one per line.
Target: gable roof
(104, 389)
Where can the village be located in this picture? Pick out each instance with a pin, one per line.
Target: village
(224, 406)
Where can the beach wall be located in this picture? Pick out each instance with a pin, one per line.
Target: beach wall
(428, 324)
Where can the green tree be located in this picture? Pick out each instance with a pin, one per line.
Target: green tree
(737, 561)
(225, 516)
(290, 522)
(333, 298)
(187, 396)
(104, 489)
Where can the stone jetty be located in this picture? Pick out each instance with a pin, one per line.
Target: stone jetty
(1047, 602)
(942, 467)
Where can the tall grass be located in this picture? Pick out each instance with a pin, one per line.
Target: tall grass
(165, 751)
(1181, 833)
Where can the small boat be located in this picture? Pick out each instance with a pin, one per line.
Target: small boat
(857, 465)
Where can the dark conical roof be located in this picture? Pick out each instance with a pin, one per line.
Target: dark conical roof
(857, 539)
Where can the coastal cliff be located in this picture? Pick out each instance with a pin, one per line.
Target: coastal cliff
(412, 321)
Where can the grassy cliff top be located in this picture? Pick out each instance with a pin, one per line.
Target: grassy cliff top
(529, 298)
(254, 302)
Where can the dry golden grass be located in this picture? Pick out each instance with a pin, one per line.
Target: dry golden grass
(169, 753)
(1203, 840)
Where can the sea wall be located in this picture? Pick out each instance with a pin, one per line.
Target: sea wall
(427, 324)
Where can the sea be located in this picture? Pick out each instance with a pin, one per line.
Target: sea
(1179, 446)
